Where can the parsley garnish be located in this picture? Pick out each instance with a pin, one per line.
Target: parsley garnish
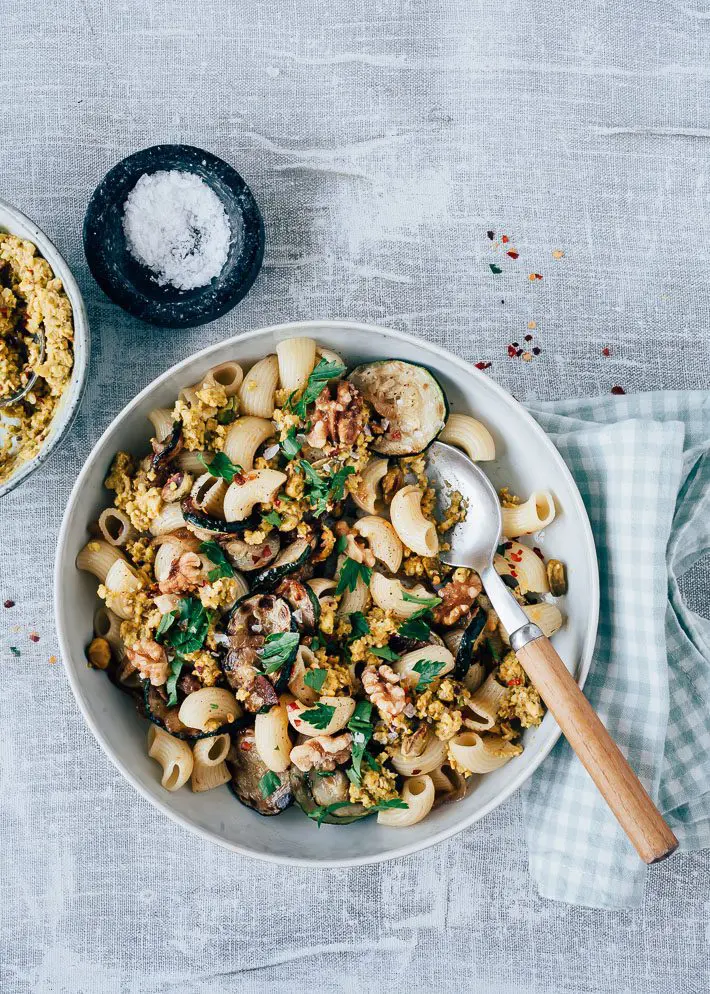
(278, 650)
(393, 802)
(427, 602)
(315, 679)
(361, 727)
(171, 684)
(319, 715)
(323, 372)
(418, 626)
(273, 518)
(358, 626)
(269, 783)
(342, 543)
(324, 490)
(290, 445)
(384, 652)
(428, 671)
(215, 553)
(350, 573)
(190, 631)
(228, 413)
(15, 651)
(221, 465)
(322, 811)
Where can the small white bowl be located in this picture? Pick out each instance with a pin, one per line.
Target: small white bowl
(526, 459)
(15, 222)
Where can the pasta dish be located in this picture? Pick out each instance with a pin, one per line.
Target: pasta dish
(272, 597)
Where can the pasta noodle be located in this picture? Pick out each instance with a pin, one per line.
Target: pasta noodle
(547, 617)
(366, 495)
(209, 708)
(416, 531)
(162, 420)
(470, 435)
(536, 513)
(256, 394)
(383, 540)
(296, 358)
(173, 755)
(389, 594)
(438, 654)
(271, 737)
(481, 753)
(525, 566)
(258, 487)
(244, 438)
(115, 527)
(418, 795)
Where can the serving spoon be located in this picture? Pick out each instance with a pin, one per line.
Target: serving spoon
(473, 543)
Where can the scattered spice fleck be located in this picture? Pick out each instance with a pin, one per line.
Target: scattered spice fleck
(515, 345)
(518, 352)
(505, 239)
(483, 365)
(558, 254)
(513, 254)
(533, 277)
(9, 603)
(34, 637)
(532, 324)
(537, 350)
(527, 356)
(491, 234)
(502, 301)
(15, 651)
(52, 660)
(495, 269)
(618, 391)
(538, 553)
(606, 352)
(511, 351)
(528, 338)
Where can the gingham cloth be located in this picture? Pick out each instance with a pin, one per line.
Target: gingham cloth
(642, 464)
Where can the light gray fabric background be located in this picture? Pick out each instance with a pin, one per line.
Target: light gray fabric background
(381, 138)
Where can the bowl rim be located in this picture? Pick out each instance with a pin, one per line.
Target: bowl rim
(72, 397)
(189, 313)
(583, 664)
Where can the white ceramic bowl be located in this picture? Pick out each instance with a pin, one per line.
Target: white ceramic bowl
(526, 459)
(17, 223)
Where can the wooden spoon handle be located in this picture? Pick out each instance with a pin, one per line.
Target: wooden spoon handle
(620, 787)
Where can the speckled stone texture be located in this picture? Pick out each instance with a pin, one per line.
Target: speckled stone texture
(381, 140)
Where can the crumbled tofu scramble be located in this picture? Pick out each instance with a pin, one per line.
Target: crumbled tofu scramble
(274, 601)
(33, 309)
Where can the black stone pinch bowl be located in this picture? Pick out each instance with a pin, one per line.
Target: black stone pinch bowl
(131, 285)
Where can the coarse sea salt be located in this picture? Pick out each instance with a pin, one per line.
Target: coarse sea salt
(177, 227)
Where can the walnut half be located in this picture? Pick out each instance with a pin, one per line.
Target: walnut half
(383, 688)
(322, 752)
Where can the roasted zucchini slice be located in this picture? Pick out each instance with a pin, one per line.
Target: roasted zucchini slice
(312, 790)
(289, 559)
(409, 400)
(247, 769)
(469, 643)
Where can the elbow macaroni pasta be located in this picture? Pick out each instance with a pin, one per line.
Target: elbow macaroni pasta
(470, 435)
(256, 394)
(536, 513)
(416, 531)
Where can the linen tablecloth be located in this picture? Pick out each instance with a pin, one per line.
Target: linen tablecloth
(382, 140)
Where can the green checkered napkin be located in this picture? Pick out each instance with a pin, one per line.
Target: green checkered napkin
(642, 464)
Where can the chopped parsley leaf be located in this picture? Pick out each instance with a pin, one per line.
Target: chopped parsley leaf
(427, 602)
(228, 413)
(171, 684)
(269, 783)
(428, 671)
(384, 652)
(358, 625)
(323, 372)
(221, 466)
(350, 572)
(273, 518)
(342, 543)
(418, 626)
(278, 650)
(360, 725)
(215, 553)
(324, 491)
(290, 445)
(320, 813)
(320, 715)
(315, 679)
(15, 651)
(187, 632)
(393, 802)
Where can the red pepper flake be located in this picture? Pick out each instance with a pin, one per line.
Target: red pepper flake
(9, 604)
(537, 350)
(515, 683)
(491, 234)
(619, 391)
(34, 637)
(483, 365)
(505, 239)
(513, 254)
(534, 276)
(606, 352)
(528, 338)
(538, 552)
(511, 352)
